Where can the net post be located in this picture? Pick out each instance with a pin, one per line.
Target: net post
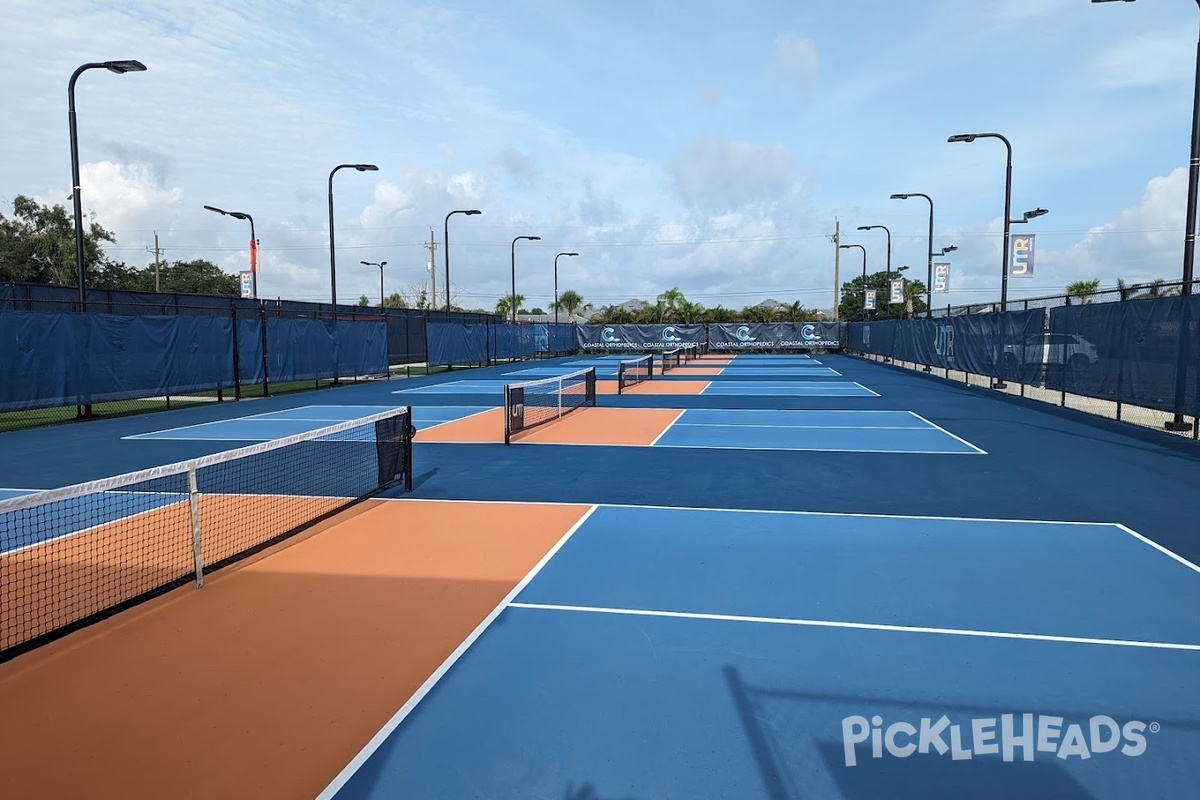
(507, 417)
(194, 514)
(408, 449)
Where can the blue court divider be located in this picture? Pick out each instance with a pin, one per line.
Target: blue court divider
(362, 348)
(553, 338)
(512, 341)
(310, 349)
(64, 359)
(1005, 346)
(250, 350)
(456, 343)
(1129, 352)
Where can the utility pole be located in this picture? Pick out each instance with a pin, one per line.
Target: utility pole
(157, 252)
(432, 247)
(837, 266)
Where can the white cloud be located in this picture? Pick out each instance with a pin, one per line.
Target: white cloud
(796, 59)
(716, 175)
(1145, 60)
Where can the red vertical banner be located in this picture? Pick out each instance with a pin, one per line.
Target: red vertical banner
(253, 256)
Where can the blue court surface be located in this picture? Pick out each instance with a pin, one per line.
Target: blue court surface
(687, 653)
(834, 431)
(794, 388)
(466, 386)
(532, 373)
(7, 493)
(292, 421)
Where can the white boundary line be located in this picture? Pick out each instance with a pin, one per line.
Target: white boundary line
(669, 426)
(772, 448)
(861, 626)
(802, 427)
(760, 511)
(948, 433)
(379, 738)
(1158, 547)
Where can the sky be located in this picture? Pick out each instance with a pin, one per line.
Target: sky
(701, 145)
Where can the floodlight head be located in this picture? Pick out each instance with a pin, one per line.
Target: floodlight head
(899, 196)
(217, 210)
(366, 167)
(962, 137)
(570, 254)
(533, 238)
(383, 263)
(239, 214)
(121, 67)
(1112, 1)
(1037, 212)
(472, 212)
(949, 249)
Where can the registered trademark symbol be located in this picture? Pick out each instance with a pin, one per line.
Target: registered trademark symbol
(1155, 727)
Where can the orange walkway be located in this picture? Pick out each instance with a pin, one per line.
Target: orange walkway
(267, 681)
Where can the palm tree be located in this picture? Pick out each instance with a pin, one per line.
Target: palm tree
(1083, 289)
(672, 298)
(569, 301)
(505, 305)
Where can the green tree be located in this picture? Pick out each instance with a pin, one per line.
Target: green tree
(569, 301)
(669, 302)
(506, 304)
(1083, 289)
(536, 311)
(198, 276)
(394, 300)
(363, 301)
(688, 312)
(853, 293)
(37, 244)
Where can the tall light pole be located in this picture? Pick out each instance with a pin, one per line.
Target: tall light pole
(332, 254)
(513, 297)
(929, 259)
(446, 249)
(864, 271)
(120, 68)
(556, 283)
(1189, 247)
(889, 260)
(381, 265)
(253, 245)
(970, 137)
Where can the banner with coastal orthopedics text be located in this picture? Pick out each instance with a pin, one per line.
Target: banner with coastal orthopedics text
(775, 335)
(637, 337)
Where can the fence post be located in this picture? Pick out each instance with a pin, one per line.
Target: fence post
(237, 363)
(262, 318)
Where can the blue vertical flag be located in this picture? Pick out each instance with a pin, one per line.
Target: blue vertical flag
(1020, 261)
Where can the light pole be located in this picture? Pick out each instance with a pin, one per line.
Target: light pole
(120, 68)
(1176, 423)
(889, 260)
(970, 137)
(253, 245)
(929, 259)
(556, 283)
(381, 265)
(946, 250)
(332, 255)
(864, 271)
(446, 245)
(512, 299)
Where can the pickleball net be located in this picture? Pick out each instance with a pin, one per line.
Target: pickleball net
(72, 556)
(671, 359)
(533, 403)
(634, 371)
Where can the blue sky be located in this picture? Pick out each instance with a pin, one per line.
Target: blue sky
(703, 145)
